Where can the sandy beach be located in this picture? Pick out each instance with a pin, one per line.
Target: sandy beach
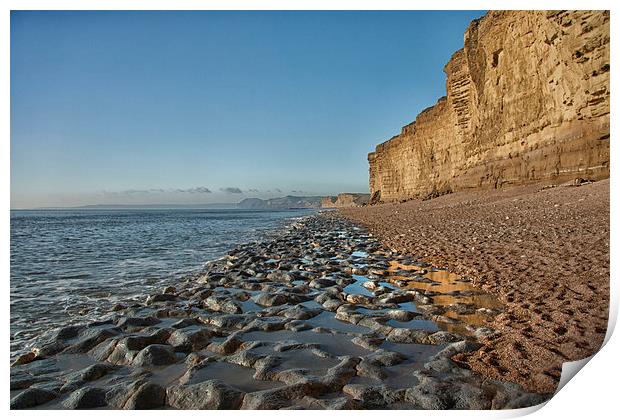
(544, 251)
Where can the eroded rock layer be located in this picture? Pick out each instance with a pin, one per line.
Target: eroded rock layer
(320, 316)
(527, 100)
(345, 200)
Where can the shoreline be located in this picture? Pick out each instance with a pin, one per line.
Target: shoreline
(317, 316)
(78, 281)
(543, 250)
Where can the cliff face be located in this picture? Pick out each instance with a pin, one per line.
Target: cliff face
(527, 100)
(345, 200)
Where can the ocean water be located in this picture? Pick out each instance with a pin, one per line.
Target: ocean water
(74, 265)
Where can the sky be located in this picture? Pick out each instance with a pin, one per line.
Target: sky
(203, 107)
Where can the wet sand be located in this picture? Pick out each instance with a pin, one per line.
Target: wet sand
(543, 251)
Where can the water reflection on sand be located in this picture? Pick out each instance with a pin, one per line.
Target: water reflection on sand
(447, 290)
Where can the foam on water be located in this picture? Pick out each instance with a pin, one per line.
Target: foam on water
(70, 266)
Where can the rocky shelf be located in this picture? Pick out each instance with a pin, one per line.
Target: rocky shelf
(320, 316)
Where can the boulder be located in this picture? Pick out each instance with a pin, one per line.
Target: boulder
(32, 397)
(87, 397)
(146, 396)
(208, 395)
(155, 355)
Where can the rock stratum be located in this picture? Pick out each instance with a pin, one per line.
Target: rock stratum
(527, 100)
(345, 200)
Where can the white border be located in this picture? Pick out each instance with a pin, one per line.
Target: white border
(591, 395)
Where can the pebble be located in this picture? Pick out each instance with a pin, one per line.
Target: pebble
(265, 307)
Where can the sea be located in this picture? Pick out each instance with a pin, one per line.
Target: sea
(72, 266)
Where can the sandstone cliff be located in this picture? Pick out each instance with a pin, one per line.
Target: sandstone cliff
(345, 200)
(527, 100)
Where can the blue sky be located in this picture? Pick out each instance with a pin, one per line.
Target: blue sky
(193, 107)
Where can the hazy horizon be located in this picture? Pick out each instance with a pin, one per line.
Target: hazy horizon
(204, 107)
(174, 204)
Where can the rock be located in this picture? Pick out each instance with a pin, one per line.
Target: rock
(394, 297)
(433, 155)
(372, 397)
(443, 337)
(103, 350)
(332, 304)
(89, 338)
(464, 346)
(359, 299)
(146, 396)
(280, 276)
(87, 397)
(118, 307)
(377, 324)
(94, 372)
(524, 399)
(193, 359)
(370, 343)
(22, 359)
(88, 374)
(155, 355)
(274, 399)
(68, 332)
(299, 312)
(32, 397)
(429, 397)
(208, 395)
(400, 315)
(441, 365)
(226, 321)
(321, 353)
(369, 370)
(320, 283)
(462, 308)
(350, 317)
(322, 297)
(192, 339)
(169, 290)
(135, 323)
(266, 324)
(431, 309)
(471, 397)
(338, 403)
(49, 349)
(292, 376)
(221, 304)
(293, 345)
(22, 380)
(340, 374)
(385, 358)
(371, 284)
(161, 297)
(126, 349)
(405, 335)
(270, 299)
(246, 358)
(186, 322)
(297, 326)
(230, 345)
(265, 368)
(38, 368)
(483, 332)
